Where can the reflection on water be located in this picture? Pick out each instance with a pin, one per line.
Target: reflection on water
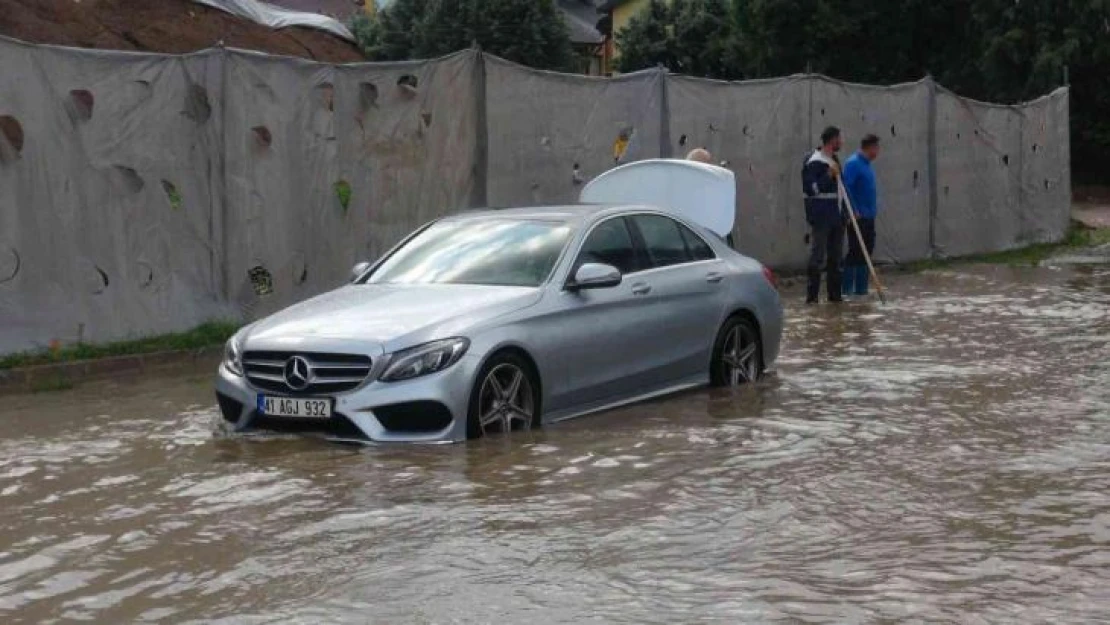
(942, 458)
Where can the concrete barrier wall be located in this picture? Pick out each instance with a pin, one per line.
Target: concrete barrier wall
(143, 193)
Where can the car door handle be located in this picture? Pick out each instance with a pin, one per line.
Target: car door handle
(641, 288)
(714, 277)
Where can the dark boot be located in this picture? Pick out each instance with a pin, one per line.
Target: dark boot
(836, 293)
(813, 285)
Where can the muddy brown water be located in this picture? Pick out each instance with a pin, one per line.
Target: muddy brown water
(945, 458)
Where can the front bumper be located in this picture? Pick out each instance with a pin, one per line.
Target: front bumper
(427, 409)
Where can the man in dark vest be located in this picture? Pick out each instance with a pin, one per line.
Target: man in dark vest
(823, 213)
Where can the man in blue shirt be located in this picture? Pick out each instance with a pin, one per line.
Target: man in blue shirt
(859, 181)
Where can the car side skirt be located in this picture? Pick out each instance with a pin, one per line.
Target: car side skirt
(609, 404)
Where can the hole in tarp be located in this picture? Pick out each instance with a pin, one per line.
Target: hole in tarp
(408, 83)
(367, 95)
(427, 118)
(197, 107)
(128, 179)
(103, 282)
(300, 269)
(10, 263)
(262, 136)
(81, 103)
(545, 143)
(893, 132)
(343, 193)
(12, 132)
(143, 89)
(958, 136)
(1046, 186)
(1006, 160)
(326, 93)
(682, 141)
(946, 189)
(172, 194)
(822, 110)
(146, 275)
(261, 280)
(745, 131)
(1035, 146)
(915, 179)
(976, 133)
(712, 128)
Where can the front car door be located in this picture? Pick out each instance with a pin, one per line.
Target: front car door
(604, 336)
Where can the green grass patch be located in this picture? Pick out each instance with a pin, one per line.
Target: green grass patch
(51, 385)
(1077, 238)
(206, 335)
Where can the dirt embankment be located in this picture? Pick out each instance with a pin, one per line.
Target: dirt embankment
(173, 26)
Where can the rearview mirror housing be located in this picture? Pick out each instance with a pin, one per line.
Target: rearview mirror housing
(358, 270)
(595, 276)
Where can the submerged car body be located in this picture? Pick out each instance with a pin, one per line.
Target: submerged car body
(573, 309)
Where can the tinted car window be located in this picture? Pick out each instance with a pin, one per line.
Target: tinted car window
(663, 240)
(699, 249)
(610, 243)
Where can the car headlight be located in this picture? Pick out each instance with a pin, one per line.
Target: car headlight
(233, 356)
(424, 359)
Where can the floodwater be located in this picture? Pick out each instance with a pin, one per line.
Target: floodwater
(944, 458)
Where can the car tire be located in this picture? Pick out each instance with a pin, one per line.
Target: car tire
(505, 397)
(737, 353)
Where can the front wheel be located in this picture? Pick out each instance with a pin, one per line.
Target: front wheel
(737, 354)
(505, 397)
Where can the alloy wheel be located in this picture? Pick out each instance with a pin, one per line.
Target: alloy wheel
(506, 399)
(740, 356)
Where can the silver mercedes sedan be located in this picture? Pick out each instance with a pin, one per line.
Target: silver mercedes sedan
(495, 321)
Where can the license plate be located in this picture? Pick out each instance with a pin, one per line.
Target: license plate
(305, 408)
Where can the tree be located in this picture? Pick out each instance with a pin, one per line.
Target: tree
(648, 39)
(703, 38)
(531, 32)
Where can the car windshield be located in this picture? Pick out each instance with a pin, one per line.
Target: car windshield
(499, 252)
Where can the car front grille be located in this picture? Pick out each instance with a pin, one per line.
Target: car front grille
(330, 373)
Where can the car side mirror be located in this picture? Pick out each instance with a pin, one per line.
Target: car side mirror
(358, 270)
(595, 276)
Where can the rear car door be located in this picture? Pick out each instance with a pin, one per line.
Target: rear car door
(687, 281)
(605, 335)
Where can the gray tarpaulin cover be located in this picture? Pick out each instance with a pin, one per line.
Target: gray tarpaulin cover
(144, 193)
(277, 17)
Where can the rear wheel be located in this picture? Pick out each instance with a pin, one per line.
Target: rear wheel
(505, 397)
(737, 354)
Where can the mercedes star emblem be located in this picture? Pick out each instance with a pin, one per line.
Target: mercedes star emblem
(298, 373)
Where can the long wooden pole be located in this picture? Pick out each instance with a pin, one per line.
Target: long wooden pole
(859, 237)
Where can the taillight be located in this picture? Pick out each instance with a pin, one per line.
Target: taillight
(772, 279)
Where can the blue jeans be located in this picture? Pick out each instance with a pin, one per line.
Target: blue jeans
(855, 265)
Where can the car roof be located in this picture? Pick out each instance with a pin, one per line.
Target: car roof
(570, 213)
